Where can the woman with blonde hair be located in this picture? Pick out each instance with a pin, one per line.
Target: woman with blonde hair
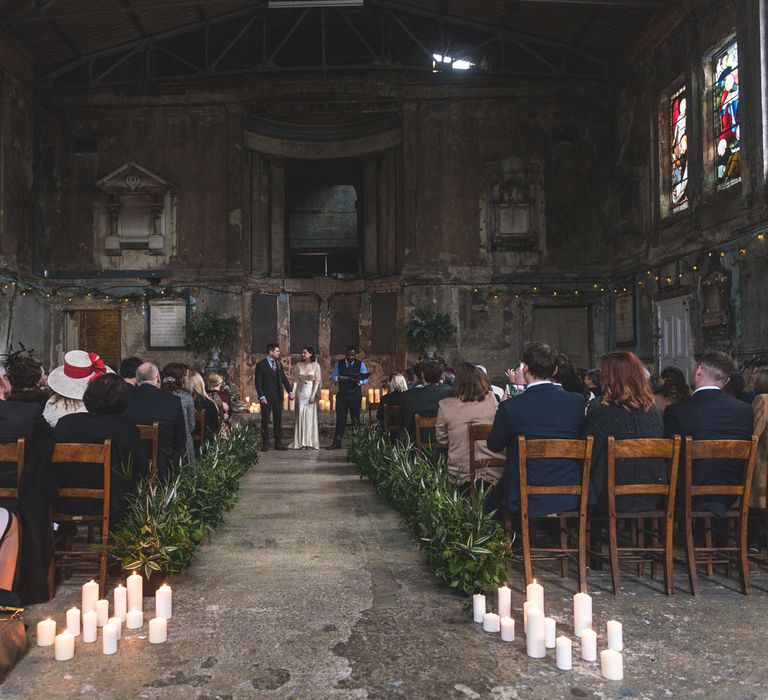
(221, 398)
(397, 386)
(203, 402)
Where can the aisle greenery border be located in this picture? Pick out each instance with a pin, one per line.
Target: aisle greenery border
(465, 545)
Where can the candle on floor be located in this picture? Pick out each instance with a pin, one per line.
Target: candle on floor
(158, 630)
(64, 646)
(505, 601)
(527, 605)
(370, 395)
(121, 601)
(478, 607)
(332, 403)
(89, 626)
(102, 612)
(135, 584)
(491, 622)
(536, 636)
(134, 619)
(615, 636)
(564, 653)
(46, 632)
(582, 613)
(258, 408)
(534, 593)
(247, 400)
(164, 602)
(73, 621)
(117, 622)
(589, 645)
(325, 394)
(285, 400)
(109, 637)
(507, 629)
(377, 396)
(611, 664)
(363, 404)
(90, 594)
(292, 405)
(551, 632)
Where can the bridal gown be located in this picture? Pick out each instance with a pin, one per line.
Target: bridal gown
(308, 380)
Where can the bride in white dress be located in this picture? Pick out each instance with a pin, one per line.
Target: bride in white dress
(308, 380)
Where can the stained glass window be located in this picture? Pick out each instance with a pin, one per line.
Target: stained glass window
(726, 110)
(678, 110)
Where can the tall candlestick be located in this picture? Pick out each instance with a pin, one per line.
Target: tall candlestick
(564, 653)
(89, 626)
(102, 612)
(90, 594)
(615, 637)
(164, 602)
(158, 630)
(64, 648)
(536, 636)
(73, 622)
(507, 629)
(135, 591)
(534, 593)
(611, 665)
(478, 607)
(121, 601)
(109, 639)
(582, 613)
(46, 632)
(134, 619)
(589, 645)
(505, 601)
(550, 629)
(117, 622)
(491, 622)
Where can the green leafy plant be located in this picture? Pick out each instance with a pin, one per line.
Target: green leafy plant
(427, 330)
(207, 331)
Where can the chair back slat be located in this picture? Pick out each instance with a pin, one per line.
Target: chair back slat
(13, 452)
(423, 423)
(392, 411)
(479, 432)
(152, 434)
(555, 449)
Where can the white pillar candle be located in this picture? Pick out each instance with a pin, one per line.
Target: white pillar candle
(615, 637)
(46, 632)
(102, 612)
(109, 637)
(363, 404)
(478, 607)
(164, 602)
(589, 645)
(73, 621)
(121, 601)
(536, 636)
(611, 665)
(135, 592)
(534, 593)
(158, 630)
(504, 601)
(491, 622)
(64, 646)
(134, 619)
(258, 408)
(507, 629)
(582, 613)
(377, 395)
(90, 594)
(117, 622)
(550, 628)
(528, 605)
(370, 395)
(89, 626)
(564, 653)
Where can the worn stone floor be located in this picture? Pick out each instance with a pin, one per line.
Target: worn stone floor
(312, 589)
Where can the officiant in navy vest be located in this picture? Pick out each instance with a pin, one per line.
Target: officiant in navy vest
(350, 374)
(270, 382)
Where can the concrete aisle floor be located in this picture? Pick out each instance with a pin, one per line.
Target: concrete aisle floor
(312, 589)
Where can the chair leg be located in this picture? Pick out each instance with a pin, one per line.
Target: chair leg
(691, 556)
(655, 543)
(563, 545)
(614, 551)
(746, 584)
(526, 534)
(669, 581)
(708, 544)
(582, 562)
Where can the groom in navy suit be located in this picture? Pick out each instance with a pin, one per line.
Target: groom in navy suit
(543, 410)
(270, 382)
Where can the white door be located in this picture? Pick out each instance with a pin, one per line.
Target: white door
(675, 334)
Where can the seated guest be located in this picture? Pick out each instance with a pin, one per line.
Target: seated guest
(128, 369)
(471, 401)
(760, 428)
(593, 384)
(397, 387)
(515, 382)
(203, 402)
(172, 377)
(498, 392)
(626, 411)
(673, 389)
(9, 548)
(711, 414)
(543, 410)
(221, 398)
(106, 398)
(568, 378)
(68, 384)
(736, 387)
(423, 400)
(28, 380)
(148, 405)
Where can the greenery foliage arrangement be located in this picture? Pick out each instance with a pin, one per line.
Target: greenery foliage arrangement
(207, 331)
(166, 521)
(466, 546)
(427, 328)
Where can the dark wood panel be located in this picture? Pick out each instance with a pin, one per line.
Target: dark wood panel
(384, 323)
(263, 321)
(305, 313)
(345, 322)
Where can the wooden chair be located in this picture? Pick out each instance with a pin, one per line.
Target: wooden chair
(737, 517)
(151, 433)
(639, 553)
(199, 435)
(580, 450)
(74, 453)
(13, 452)
(423, 423)
(390, 412)
(478, 432)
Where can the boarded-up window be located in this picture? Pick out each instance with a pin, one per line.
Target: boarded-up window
(263, 321)
(384, 323)
(304, 322)
(100, 333)
(345, 322)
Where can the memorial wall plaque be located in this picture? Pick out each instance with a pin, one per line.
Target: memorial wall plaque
(384, 323)
(167, 323)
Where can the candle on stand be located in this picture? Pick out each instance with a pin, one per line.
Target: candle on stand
(64, 646)
(135, 591)
(109, 636)
(550, 629)
(117, 622)
(507, 629)
(615, 637)
(158, 630)
(528, 605)
(536, 636)
(534, 593)
(370, 395)
(134, 619)
(102, 612)
(377, 395)
(491, 622)
(505, 601)
(46, 632)
(564, 653)
(325, 394)
(589, 645)
(582, 613)
(611, 664)
(89, 626)
(121, 601)
(90, 594)
(478, 607)
(164, 602)
(73, 621)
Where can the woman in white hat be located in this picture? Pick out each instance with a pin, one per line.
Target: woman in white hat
(69, 382)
